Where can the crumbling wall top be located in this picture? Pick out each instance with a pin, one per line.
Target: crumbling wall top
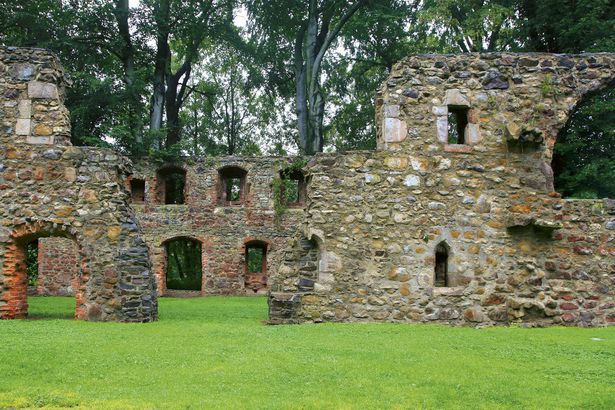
(479, 102)
(32, 89)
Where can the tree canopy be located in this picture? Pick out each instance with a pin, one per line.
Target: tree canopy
(210, 77)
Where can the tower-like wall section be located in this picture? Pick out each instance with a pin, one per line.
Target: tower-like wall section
(49, 188)
(479, 195)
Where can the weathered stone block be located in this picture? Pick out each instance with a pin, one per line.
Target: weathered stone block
(395, 130)
(23, 126)
(41, 90)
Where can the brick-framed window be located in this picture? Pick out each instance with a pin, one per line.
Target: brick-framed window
(294, 187)
(137, 191)
(171, 185)
(231, 186)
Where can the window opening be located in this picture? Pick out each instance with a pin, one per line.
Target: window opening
(171, 185)
(232, 184)
(293, 189)
(441, 268)
(137, 191)
(184, 265)
(457, 122)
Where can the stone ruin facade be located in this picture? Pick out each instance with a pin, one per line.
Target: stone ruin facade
(454, 218)
(50, 189)
(225, 229)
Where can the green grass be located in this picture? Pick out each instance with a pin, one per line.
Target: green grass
(216, 353)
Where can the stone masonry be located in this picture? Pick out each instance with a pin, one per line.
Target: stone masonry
(49, 188)
(454, 218)
(224, 229)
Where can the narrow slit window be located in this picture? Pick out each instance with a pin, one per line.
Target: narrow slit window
(457, 122)
(441, 268)
(137, 191)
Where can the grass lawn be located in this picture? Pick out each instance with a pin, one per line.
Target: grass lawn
(215, 352)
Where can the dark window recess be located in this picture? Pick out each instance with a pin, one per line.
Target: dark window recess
(171, 185)
(137, 191)
(184, 267)
(294, 187)
(457, 122)
(441, 268)
(232, 186)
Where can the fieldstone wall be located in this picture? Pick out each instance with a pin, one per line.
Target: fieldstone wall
(49, 188)
(377, 224)
(223, 229)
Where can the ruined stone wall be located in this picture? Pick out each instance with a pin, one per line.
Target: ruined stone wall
(58, 267)
(51, 189)
(223, 229)
(516, 252)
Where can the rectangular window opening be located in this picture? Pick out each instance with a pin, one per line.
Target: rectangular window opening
(255, 259)
(233, 189)
(137, 191)
(457, 122)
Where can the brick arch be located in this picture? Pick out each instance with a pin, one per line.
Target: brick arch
(160, 261)
(15, 282)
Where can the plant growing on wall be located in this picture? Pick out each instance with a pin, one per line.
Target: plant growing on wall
(284, 189)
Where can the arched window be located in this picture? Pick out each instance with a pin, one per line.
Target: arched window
(441, 265)
(184, 269)
(256, 265)
(231, 186)
(42, 260)
(171, 185)
(583, 157)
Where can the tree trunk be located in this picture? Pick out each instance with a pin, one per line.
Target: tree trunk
(162, 59)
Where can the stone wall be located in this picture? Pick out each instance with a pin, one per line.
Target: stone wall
(379, 225)
(49, 188)
(58, 266)
(223, 228)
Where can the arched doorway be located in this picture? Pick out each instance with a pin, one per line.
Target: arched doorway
(584, 154)
(183, 264)
(26, 266)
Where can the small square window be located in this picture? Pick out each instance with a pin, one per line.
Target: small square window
(457, 123)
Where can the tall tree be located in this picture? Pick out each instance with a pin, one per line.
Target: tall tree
(180, 29)
(303, 31)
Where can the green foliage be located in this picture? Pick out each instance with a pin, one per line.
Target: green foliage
(217, 342)
(32, 263)
(184, 267)
(584, 155)
(284, 189)
(255, 256)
